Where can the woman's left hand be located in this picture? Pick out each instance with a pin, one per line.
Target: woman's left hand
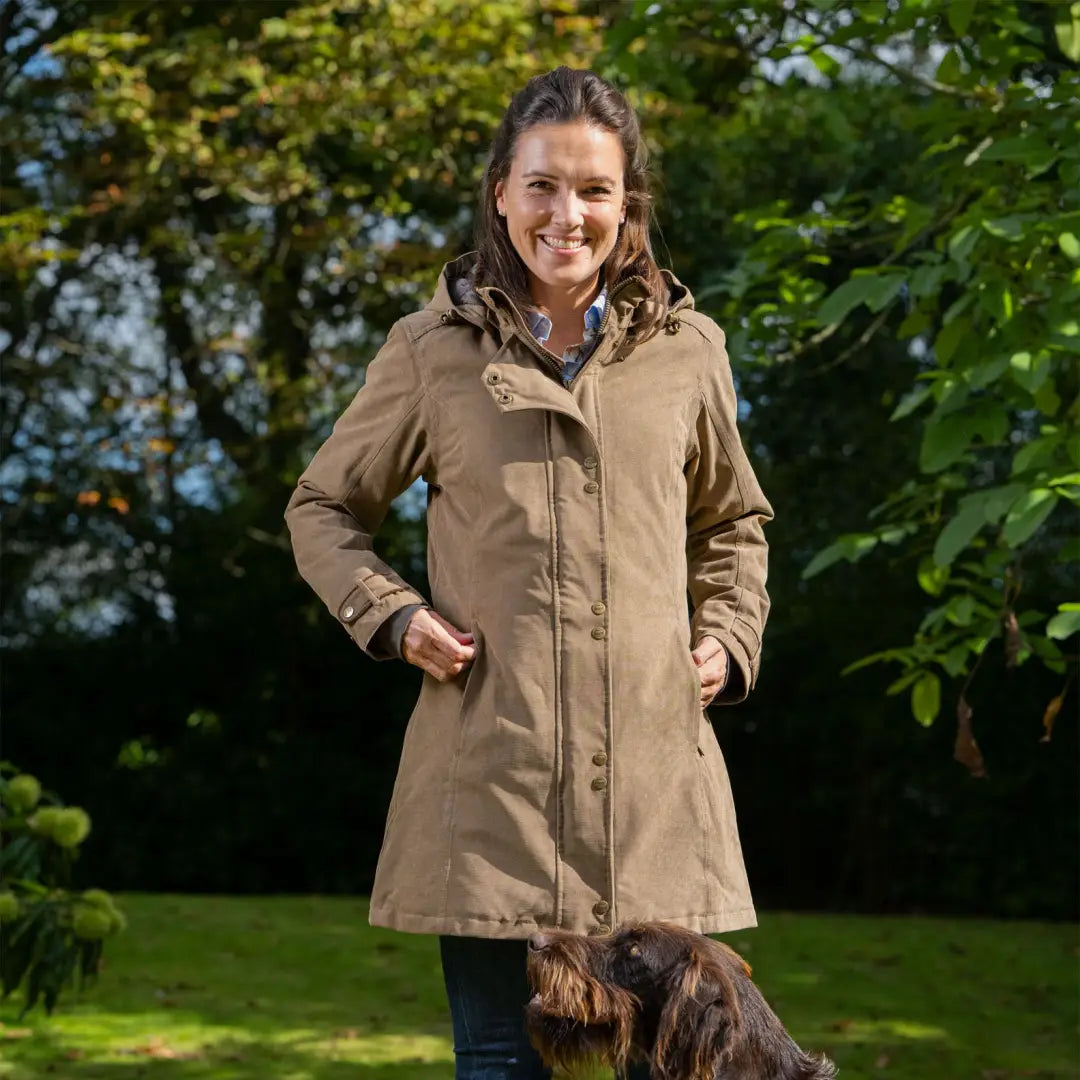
(712, 662)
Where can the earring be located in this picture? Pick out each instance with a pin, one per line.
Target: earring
(502, 213)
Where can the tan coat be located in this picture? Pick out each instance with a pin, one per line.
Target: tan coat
(569, 778)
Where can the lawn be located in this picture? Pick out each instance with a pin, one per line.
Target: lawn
(291, 988)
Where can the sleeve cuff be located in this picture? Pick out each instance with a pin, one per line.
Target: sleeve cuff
(386, 642)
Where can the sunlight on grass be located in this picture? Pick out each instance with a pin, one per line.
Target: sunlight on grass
(886, 1030)
(301, 988)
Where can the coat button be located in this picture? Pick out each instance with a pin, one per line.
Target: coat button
(599, 758)
(493, 377)
(505, 399)
(599, 608)
(599, 633)
(592, 487)
(589, 463)
(348, 613)
(600, 929)
(601, 908)
(599, 783)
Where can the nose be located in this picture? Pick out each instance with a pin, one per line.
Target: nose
(538, 942)
(568, 210)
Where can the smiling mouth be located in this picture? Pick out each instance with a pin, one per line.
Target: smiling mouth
(564, 244)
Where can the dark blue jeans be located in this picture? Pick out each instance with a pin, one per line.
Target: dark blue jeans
(488, 992)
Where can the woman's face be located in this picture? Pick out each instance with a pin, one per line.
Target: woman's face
(563, 200)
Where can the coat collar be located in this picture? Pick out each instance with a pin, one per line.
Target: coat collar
(628, 300)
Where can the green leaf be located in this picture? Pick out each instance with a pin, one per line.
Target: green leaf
(1067, 32)
(949, 70)
(901, 684)
(962, 243)
(945, 442)
(951, 335)
(960, 531)
(960, 610)
(1005, 228)
(1029, 371)
(852, 547)
(926, 698)
(911, 401)
(874, 290)
(1027, 514)
(1031, 150)
(1047, 399)
(1070, 245)
(960, 12)
(1065, 623)
(932, 577)
(955, 660)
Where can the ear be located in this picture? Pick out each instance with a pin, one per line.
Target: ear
(500, 201)
(699, 1024)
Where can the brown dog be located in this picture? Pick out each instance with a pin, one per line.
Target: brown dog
(654, 992)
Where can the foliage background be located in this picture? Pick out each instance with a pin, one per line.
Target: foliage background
(211, 214)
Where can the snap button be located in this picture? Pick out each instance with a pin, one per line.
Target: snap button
(505, 399)
(601, 908)
(493, 377)
(348, 613)
(599, 633)
(599, 608)
(589, 463)
(599, 758)
(592, 486)
(601, 928)
(599, 783)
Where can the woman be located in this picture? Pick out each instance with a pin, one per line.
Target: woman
(574, 419)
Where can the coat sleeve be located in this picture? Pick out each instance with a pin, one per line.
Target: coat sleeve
(379, 446)
(726, 552)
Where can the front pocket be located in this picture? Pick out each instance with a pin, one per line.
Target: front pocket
(693, 707)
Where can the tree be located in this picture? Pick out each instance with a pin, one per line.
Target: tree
(965, 249)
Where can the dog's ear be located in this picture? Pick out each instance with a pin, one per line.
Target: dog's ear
(700, 1022)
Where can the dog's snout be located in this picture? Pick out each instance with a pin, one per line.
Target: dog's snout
(538, 942)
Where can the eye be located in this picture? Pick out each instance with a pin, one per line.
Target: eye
(634, 950)
(539, 184)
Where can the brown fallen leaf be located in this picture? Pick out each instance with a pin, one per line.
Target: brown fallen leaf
(966, 749)
(1052, 709)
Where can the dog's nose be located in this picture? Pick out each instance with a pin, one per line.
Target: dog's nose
(538, 942)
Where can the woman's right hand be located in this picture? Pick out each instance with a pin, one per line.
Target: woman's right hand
(435, 646)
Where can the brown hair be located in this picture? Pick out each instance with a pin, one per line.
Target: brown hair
(566, 96)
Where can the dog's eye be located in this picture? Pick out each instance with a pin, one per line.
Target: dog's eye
(635, 950)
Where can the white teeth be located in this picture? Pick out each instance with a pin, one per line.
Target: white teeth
(561, 245)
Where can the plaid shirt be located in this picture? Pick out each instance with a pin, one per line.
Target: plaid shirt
(575, 355)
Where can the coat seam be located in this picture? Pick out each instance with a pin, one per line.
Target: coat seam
(556, 619)
(737, 543)
(609, 703)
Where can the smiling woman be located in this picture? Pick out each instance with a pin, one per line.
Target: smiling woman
(564, 200)
(574, 419)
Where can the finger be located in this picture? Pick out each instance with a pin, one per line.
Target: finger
(707, 647)
(450, 641)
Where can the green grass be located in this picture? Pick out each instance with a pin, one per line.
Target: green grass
(226, 988)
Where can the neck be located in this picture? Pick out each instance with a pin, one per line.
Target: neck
(565, 307)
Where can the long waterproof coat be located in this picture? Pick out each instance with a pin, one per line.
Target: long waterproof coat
(568, 778)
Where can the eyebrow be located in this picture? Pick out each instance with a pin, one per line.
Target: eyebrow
(587, 180)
